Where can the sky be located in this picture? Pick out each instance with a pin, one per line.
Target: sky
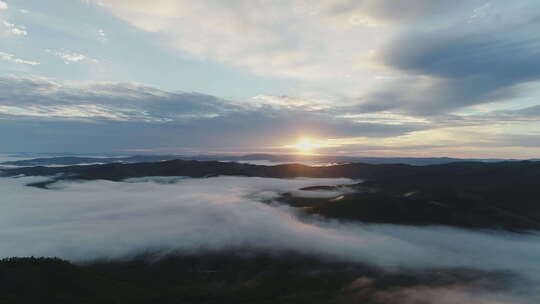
(364, 78)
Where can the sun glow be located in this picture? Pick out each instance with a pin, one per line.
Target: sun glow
(305, 146)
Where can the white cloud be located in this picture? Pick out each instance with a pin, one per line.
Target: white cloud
(14, 29)
(13, 58)
(384, 117)
(303, 40)
(3, 5)
(101, 35)
(70, 56)
(328, 46)
(298, 39)
(67, 111)
(179, 214)
(290, 102)
(24, 11)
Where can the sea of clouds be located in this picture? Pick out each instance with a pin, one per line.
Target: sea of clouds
(86, 220)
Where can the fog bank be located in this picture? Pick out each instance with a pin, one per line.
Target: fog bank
(86, 220)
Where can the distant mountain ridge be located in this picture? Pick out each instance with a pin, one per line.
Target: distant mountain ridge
(75, 160)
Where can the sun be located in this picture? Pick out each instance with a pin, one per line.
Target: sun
(305, 146)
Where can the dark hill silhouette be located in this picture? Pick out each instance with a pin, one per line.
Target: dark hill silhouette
(235, 276)
(76, 160)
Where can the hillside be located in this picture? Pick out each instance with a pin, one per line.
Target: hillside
(235, 276)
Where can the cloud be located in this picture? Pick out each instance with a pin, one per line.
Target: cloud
(69, 56)
(63, 116)
(3, 5)
(130, 100)
(184, 215)
(13, 58)
(527, 114)
(289, 102)
(386, 11)
(469, 63)
(132, 116)
(102, 36)
(85, 220)
(14, 29)
(297, 39)
(417, 57)
(292, 39)
(161, 118)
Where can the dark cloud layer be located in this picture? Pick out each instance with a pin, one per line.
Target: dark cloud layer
(473, 61)
(130, 100)
(39, 115)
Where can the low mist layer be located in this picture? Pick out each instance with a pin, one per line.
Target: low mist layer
(87, 220)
